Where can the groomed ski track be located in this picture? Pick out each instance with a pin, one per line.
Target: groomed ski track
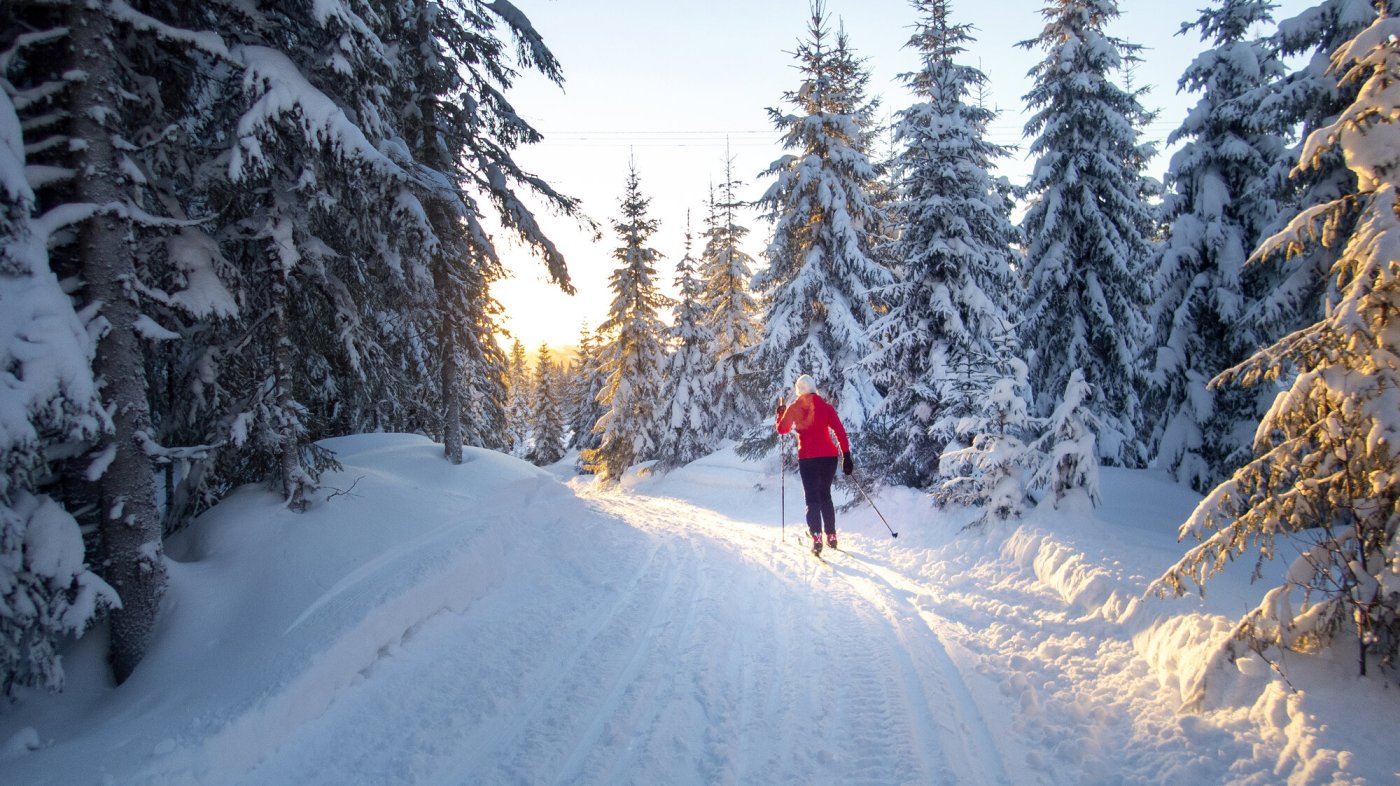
(701, 650)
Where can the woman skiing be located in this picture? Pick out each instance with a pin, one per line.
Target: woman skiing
(815, 421)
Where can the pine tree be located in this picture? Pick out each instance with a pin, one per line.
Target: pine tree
(311, 177)
(47, 593)
(633, 349)
(546, 412)
(729, 310)
(520, 397)
(686, 424)
(463, 132)
(1308, 98)
(1326, 474)
(954, 254)
(585, 387)
(821, 267)
(1220, 206)
(1087, 226)
(103, 254)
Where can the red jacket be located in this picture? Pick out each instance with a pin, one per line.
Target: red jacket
(815, 420)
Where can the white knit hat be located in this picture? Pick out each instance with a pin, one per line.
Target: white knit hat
(804, 385)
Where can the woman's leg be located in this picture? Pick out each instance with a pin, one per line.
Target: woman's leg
(813, 472)
(828, 507)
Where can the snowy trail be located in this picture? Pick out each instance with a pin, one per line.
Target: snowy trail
(487, 624)
(707, 652)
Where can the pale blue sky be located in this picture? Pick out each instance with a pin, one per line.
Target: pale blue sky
(672, 82)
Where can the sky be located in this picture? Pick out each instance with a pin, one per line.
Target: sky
(679, 86)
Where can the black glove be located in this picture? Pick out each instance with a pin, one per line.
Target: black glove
(781, 408)
(848, 466)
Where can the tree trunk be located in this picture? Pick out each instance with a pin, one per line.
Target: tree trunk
(130, 557)
(291, 473)
(431, 155)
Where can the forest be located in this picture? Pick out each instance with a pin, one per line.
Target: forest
(230, 231)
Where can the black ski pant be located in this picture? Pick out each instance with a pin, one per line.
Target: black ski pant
(817, 475)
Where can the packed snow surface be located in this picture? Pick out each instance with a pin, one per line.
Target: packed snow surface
(493, 623)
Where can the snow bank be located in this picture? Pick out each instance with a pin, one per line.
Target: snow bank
(271, 614)
(1303, 723)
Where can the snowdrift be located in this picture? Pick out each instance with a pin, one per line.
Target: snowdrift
(271, 613)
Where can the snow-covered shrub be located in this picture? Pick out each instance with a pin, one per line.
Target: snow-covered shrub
(991, 469)
(46, 591)
(1326, 473)
(1068, 466)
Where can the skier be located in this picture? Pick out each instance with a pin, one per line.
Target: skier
(816, 421)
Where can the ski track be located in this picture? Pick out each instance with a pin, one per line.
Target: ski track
(703, 651)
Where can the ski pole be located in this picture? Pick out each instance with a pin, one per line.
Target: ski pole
(782, 480)
(861, 489)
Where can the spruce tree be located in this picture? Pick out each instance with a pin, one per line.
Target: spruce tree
(1068, 462)
(633, 350)
(1326, 474)
(686, 424)
(520, 397)
(463, 131)
(821, 265)
(728, 308)
(990, 460)
(1307, 98)
(1087, 228)
(50, 399)
(585, 388)
(954, 254)
(82, 119)
(1220, 206)
(546, 411)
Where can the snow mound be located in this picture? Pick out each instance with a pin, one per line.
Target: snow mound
(271, 614)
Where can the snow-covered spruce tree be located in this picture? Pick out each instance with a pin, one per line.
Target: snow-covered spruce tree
(547, 412)
(1069, 466)
(821, 267)
(1220, 205)
(1308, 98)
(50, 400)
(729, 310)
(686, 424)
(520, 396)
(309, 198)
(75, 87)
(954, 254)
(632, 345)
(1326, 473)
(1087, 227)
(990, 468)
(585, 389)
(463, 132)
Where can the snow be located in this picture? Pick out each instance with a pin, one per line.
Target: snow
(497, 623)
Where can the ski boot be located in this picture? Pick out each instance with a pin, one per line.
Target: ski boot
(831, 539)
(817, 544)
